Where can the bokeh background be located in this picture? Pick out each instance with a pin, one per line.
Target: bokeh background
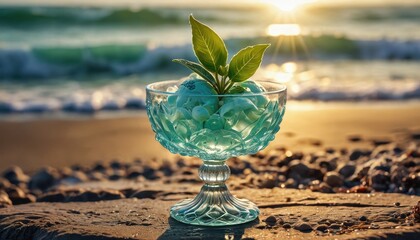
(69, 58)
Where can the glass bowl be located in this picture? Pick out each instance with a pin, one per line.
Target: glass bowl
(214, 128)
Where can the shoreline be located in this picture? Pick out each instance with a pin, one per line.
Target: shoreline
(306, 127)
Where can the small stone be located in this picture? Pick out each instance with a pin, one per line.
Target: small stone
(335, 226)
(18, 196)
(355, 154)
(379, 180)
(328, 165)
(96, 176)
(397, 204)
(94, 196)
(330, 150)
(378, 142)
(322, 227)
(347, 170)
(43, 179)
(348, 223)
(271, 220)
(411, 191)
(15, 175)
(287, 226)
(117, 174)
(115, 164)
(268, 181)
(403, 216)
(415, 136)
(363, 218)
(4, 199)
(303, 227)
(4, 183)
(75, 177)
(298, 170)
(325, 188)
(290, 183)
(200, 113)
(333, 179)
(134, 172)
(146, 194)
(52, 197)
(100, 167)
(354, 138)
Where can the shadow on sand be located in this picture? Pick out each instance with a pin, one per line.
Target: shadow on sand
(178, 230)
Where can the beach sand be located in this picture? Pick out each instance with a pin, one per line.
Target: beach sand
(32, 144)
(367, 154)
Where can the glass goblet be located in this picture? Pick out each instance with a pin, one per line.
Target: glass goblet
(215, 128)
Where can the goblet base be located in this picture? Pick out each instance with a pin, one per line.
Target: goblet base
(214, 206)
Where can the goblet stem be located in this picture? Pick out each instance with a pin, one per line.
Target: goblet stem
(214, 205)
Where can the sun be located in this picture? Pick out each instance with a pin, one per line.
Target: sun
(288, 5)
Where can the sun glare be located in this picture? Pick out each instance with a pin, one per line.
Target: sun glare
(276, 30)
(288, 5)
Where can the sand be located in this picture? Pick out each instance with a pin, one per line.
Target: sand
(147, 217)
(306, 127)
(347, 171)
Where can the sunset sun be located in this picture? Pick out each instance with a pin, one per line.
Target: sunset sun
(288, 5)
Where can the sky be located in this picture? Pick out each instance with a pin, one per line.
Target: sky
(191, 2)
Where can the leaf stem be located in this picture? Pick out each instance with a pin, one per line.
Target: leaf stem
(219, 84)
(230, 84)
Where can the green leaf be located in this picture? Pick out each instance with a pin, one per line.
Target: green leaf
(246, 62)
(236, 89)
(197, 68)
(223, 70)
(208, 46)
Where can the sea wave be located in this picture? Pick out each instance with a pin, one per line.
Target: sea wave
(120, 60)
(51, 16)
(78, 99)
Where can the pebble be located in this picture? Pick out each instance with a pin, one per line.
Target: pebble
(322, 227)
(325, 188)
(347, 170)
(397, 204)
(303, 227)
(363, 218)
(134, 172)
(348, 223)
(298, 170)
(18, 196)
(356, 154)
(268, 181)
(287, 226)
(335, 226)
(15, 175)
(94, 196)
(4, 199)
(75, 177)
(115, 164)
(141, 194)
(271, 220)
(43, 179)
(4, 183)
(355, 138)
(290, 183)
(52, 197)
(379, 180)
(333, 179)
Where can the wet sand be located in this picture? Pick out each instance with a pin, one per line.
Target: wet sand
(32, 144)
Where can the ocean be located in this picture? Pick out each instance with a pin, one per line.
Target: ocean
(85, 60)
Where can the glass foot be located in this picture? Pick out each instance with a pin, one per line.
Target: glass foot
(214, 206)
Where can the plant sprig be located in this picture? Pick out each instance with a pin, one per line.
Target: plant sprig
(212, 55)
